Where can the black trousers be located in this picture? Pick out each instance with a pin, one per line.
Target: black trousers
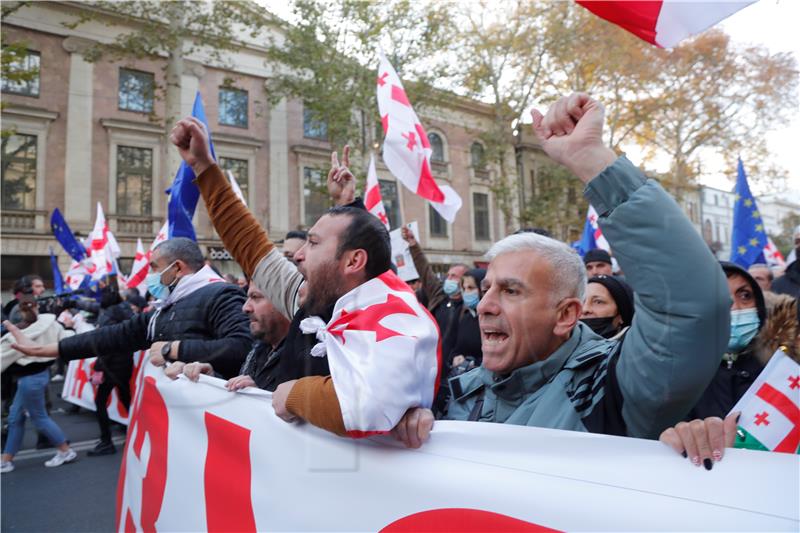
(101, 398)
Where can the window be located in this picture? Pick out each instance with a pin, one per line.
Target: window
(437, 148)
(438, 225)
(390, 202)
(19, 172)
(315, 195)
(240, 169)
(134, 181)
(233, 107)
(477, 156)
(313, 127)
(22, 74)
(480, 205)
(136, 90)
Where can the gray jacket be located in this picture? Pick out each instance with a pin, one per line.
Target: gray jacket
(649, 379)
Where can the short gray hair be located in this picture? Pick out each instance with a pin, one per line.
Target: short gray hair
(569, 274)
(184, 249)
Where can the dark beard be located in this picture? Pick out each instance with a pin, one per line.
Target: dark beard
(323, 289)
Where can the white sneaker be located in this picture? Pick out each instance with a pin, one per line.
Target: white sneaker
(57, 378)
(6, 467)
(62, 457)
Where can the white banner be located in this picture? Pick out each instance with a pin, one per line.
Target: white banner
(79, 390)
(240, 468)
(401, 254)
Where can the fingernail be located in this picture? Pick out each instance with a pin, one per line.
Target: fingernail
(696, 461)
(683, 453)
(738, 417)
(708, 464)
(717, 455)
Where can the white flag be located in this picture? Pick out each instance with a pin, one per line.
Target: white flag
(406, 150)
(372, 196)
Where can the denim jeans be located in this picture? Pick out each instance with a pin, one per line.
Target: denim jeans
(30, 398)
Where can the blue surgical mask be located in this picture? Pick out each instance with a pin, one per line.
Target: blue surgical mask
(744, 326)
(471, 298)
(450, 287)
(154, 285)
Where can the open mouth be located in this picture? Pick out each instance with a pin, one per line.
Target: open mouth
(491, 336)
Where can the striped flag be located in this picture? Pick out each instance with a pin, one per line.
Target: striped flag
(770, 418)
(663, 23)
(373, 200)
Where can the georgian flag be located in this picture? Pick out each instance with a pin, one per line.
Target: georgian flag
(663, 23)
(770, 418)
(372, 196)
(406, 150)
(103, 248)
(76, 275)
(773, 256)
(599, 239)
(384, 353)
(141, 265)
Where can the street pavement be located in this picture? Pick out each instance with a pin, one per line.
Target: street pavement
(76, 497)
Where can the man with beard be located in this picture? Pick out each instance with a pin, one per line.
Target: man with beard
(268, 327)
(345, 249)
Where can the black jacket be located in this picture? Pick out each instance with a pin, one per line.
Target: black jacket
(728, 385)
(119, 366)
(209, 323)
(789, 283)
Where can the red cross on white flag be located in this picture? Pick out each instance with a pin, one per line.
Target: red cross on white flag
(406, 150)
(140, 266)
(773, 256)
(771, 407)
(372, 196)
(103, 248)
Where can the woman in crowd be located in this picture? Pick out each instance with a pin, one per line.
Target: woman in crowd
(466, 352)
(33, 376)
(608, 306)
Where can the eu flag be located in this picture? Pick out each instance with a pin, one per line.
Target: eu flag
(58, 281)
(183, 194)
(749, 237)
(65, 236)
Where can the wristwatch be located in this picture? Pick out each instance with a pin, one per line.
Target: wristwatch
(165, 351)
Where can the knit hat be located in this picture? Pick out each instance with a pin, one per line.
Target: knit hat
(477, 274)
(597, 254)
(622, 294)
(732, 268)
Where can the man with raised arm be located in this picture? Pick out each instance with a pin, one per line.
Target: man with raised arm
(541, 366)
(360, 350)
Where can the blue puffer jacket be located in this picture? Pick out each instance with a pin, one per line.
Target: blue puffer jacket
(649, 379)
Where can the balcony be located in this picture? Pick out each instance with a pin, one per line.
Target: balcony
(22, 221)
(139, 226)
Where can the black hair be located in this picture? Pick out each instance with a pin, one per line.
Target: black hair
(297, 234)
(25, 284)
(184, 249)
(367, 233)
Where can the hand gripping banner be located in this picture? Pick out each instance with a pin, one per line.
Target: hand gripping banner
(200, 458)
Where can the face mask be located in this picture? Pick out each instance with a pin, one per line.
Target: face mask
(744, 326)
(154, 285)
(450, 287)
(603, 326)
(471, 299)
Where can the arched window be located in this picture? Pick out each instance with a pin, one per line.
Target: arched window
(477, 155)
(437, 147)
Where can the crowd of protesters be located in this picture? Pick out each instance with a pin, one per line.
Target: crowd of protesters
(542, 337)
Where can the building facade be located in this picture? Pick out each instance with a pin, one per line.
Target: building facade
(86, 132)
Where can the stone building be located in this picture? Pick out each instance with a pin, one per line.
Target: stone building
(84, 132)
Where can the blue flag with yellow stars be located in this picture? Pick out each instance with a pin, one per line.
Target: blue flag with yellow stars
(749, 237)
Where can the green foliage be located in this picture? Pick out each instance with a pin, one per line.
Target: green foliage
(785, 239)
(327, 57)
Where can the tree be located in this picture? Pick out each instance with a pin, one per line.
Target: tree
(710, 94)
(502, 52)
(327, 56)
(173, 30)
(785, 239)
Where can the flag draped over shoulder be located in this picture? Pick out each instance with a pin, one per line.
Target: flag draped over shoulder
(384, 353)
(406, 150)
(373, 200)
(770, 408)
(663, 23)
(184, 194)
(749, 236)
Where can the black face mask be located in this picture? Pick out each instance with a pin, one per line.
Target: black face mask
(603, 326)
